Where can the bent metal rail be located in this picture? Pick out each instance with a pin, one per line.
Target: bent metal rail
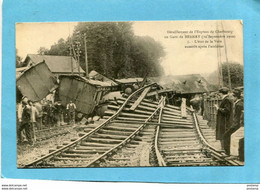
(170, 151)
(217, 154)
(97, 151)
(178, 141)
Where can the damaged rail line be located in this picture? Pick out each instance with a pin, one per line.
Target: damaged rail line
(93, 146)
(186, 145)
(176, 136)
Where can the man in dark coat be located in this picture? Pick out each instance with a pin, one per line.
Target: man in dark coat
(224, 116)
(25, 123)
(71, 107)
(238, 108)
(50, 115)
(59, 112)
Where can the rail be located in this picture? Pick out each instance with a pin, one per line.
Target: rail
(160, 159)
(109, 152)
(218, 154)
(75, 143)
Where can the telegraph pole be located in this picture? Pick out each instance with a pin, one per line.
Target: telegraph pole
(71, 63)
(229, 79)
(220, 75)
(86, 54)
(78, 54)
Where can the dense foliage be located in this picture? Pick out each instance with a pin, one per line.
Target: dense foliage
(236, 74)
(112, 49)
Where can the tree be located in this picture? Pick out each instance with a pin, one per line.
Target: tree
(146, 54)
(42, 51)
(113, 49)
(236, 74)
(60, 48)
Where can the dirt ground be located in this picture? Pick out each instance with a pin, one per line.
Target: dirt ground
(27, 153)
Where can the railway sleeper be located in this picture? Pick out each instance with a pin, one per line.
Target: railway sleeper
(133, 146)
(87, 143)
(114, 132)
(72, 159)
(116, 128)
(190, 164)
(111, 136)
(92, 148)
(85, 155)
(119, 158)
(178, 121)
(179, 117)
(173, 135)
(181, 160)
(146, 138)
(146, 133)
(179, 147)
(185, 148)
(155, 103)
(93, 151)
(174, 139)
(184, 153)
(208, 131)
(121, 124)
(115, 108)
(190, 143)
(177, 130)
(128, 114)
(95, 139)
(144, 109)
(188, 153)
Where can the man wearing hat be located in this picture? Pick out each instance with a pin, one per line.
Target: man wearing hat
(238, 108)
(24, 119)
(71, 107)
(224, 116)
(59, 112)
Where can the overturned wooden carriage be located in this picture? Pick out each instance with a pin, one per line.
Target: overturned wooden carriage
(35, 82)
(85, 93)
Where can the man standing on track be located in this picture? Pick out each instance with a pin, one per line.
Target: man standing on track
(39, 107)
(25, 122)
(49, 112)
(59, 113)
(224, 117)
(34, 114)
(71, 108)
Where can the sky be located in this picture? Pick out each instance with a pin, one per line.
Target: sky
(178, 60)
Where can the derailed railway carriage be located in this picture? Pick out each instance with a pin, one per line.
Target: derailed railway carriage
(35, 82)
(85, 93)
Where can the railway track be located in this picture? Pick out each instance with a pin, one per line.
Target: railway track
(150, 134)
(99, 143)
(187, 145)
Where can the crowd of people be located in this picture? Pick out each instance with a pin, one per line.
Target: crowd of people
(230, 116)
(229, 113)
(44, 114)
(47, 114)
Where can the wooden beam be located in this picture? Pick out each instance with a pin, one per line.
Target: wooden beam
(140, 98)
(183, 108)
(153, 123)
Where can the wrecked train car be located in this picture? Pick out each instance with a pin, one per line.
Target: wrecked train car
(36, 82)
(129, 85)
(85, 93)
